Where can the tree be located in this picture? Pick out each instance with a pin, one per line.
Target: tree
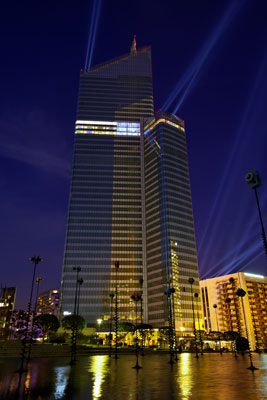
(242, 344)
(230, 335)
(144, 326)
(18, 323)
(47, 323)
(145, 331)
(213, 335)
(73, 320)
(126, 327)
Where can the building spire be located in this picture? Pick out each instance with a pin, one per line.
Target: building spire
(133, 46)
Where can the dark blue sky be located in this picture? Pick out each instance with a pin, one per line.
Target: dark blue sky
(214, 52)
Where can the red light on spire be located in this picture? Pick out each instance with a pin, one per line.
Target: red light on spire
(133, 46)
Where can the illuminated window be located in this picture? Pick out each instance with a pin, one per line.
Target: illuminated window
(107, 128)
(150, 126)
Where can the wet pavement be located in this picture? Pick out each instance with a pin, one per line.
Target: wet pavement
(100, 377)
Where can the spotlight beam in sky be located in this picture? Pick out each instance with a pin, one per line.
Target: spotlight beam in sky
(227, 181)
(189, 76)
(92, 33)
(236, 264)
(237, 248)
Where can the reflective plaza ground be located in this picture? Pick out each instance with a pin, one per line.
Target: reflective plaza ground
(100, 377)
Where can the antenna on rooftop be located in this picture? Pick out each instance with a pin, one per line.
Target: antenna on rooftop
(133, 46)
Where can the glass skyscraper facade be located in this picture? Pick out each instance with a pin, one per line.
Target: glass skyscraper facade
(130, 199)
(170, 236)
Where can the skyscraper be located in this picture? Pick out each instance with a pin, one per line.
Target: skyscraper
(130, 198)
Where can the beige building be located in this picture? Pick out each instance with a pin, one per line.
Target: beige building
(48, 302)
(229, 314)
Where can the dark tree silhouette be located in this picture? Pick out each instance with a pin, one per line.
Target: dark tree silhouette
(47, 323)
(70, 320)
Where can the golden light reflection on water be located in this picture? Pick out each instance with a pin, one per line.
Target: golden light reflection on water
(13, 383)
(27, 379)
(185, 379)
(99, 369)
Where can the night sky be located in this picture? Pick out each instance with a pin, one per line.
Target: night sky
(210, 55)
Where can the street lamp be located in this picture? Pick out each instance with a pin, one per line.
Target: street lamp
(77, 269)
(241, 293)
(215, 308)
(111, 295)
(79, 282)
(253, 180)
(136, 297)
(232, 281)
(174, 337)
(38, 281)
(117, 266)
(191, 281)
(258, 350)
(74, 330)
(35, 260)
(141, 312)
(168, 295)
(199, 330)
(228, 301)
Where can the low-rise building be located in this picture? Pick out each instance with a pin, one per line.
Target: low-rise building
(7, 302)
(223, 310)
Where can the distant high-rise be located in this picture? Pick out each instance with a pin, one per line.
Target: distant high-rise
(130, 199)
(48, 302)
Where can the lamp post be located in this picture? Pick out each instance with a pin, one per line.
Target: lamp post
(35, 260)
(78, 270)
(80, 282)
(141, 312)
(228, 301)
(74, 325)
(200, 335)
(136, 297)
(168, 295)
(255, 331)
(173, 324)
(191, 281)
(241, 293)
(215, 308)
(38, 281)
(117, 265)
(232, 281)
(111, 295)
(253, 180)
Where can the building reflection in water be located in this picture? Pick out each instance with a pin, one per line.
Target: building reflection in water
(61, 374)
(185, 379)
(99, 368)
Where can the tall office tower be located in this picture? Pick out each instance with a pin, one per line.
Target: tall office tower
(171, 250)
(105, 220)
(230, 312)
(130, 199)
